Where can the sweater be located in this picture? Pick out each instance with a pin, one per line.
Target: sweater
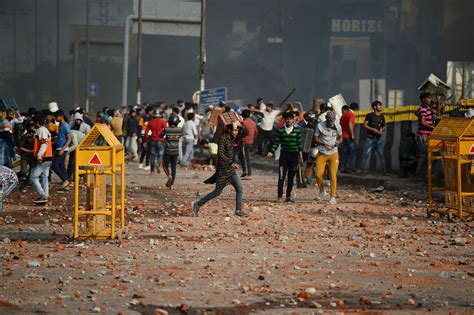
(290, 142)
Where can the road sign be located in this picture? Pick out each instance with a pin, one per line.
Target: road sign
(95, 160)
(93, 89)
(213, 97)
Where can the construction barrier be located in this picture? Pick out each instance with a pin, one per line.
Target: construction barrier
(452, 142)
(100, 157)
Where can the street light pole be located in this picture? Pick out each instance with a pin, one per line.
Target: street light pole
(57, 48)
(202, 44)
(139, 54)
(87, 55)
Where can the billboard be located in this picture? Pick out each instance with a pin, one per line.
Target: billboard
(177, 9)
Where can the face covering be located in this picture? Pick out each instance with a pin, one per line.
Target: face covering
(330, 123)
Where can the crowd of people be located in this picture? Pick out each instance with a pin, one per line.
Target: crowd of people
(161, 136)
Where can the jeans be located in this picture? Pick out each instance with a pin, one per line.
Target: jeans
(235, 181)
(347, 153)
(170, 161)
(145, 153)
(58, 165)
(157, 149)
(287, 164)
(41, 170)
(188, 156)
(180, 149)
(422, 166)
(132, 146)
(244, 158)
(371, 143)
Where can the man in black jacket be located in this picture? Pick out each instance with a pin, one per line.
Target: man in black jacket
(225, 171)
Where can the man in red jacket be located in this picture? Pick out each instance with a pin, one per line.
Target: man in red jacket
(157, 147)
(247, 144)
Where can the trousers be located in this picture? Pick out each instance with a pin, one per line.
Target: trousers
(321, 161)
(287, 165)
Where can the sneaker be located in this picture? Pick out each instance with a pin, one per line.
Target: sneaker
(158, 169)
(195, 208)
(332, 201)
(240, 213)
(40, 200)
(168, 183)
(140, 166)
(243, 175)
(280, 199)
(290, 200)
(147, 168)
(321, 196)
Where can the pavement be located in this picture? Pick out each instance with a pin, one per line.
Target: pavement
(372, 253)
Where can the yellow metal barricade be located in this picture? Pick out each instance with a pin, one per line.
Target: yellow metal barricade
(100, 158)
(452, 142)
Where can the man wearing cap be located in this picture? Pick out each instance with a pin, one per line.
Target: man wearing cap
(328, 136)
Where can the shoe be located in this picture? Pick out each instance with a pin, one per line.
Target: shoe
(140, 166)
(280, 199)
(158, 169)
(147, 168)
(135, 159)
(168, 183)
(240, 213)
(40, 200)
(195, 208)
(321, 196)
(351, 170)
(66, 184)
(290, 200)
(332, 201)
(243, 175)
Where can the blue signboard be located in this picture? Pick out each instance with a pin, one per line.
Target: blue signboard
(93, 89)
(213, 97)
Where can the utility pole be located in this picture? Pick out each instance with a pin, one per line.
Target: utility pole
(87, 55)
(14, 40)
(139, 54)
(36, 51)
(57, 48)
(202, 44)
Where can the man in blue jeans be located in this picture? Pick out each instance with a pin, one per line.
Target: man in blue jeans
(157, 143)
(62, 148)
(225, 172)
(374, 123)
(43, 155)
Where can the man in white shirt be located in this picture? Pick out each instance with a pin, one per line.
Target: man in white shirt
(190, 135)
(265, 137)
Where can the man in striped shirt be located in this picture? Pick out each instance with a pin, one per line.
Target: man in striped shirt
(425, 128)
(289, 137)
